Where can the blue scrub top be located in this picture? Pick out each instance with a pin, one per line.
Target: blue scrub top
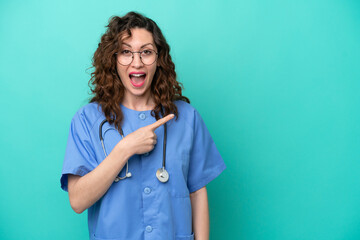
(141, 207)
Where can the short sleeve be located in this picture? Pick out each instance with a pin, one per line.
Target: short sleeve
(79, 155)
(206, 162)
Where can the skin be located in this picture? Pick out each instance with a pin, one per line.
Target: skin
(86, 190)
(138, 98)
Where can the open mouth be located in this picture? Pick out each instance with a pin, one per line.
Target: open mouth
(137, 79)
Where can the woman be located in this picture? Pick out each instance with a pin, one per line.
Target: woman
(139, 155)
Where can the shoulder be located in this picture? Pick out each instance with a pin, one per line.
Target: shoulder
(88, 114)
(184, 107)
(187, 112)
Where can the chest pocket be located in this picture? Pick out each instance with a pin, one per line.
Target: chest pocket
(178, 166)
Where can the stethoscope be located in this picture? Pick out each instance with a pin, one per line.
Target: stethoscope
(161, 173)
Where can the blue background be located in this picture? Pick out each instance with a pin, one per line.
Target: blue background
(276, 82)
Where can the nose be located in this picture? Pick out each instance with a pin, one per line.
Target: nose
(137, 60)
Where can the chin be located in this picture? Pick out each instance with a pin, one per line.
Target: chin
(138, 92)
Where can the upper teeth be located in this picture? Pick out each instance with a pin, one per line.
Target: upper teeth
(137, 75)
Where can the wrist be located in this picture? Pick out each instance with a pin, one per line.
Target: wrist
(123, 150)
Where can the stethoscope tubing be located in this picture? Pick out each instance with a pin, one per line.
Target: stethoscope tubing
(127, 174)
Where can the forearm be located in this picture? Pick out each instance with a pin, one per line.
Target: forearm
(200, 213)
(85, 191)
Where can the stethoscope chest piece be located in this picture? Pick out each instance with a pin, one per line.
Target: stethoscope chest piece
(162, 175)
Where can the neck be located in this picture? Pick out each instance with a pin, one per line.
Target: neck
(139, 103)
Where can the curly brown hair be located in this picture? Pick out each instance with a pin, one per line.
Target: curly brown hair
(105, 82)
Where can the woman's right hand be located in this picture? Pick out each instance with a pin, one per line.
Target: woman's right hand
(86, 190)
(144, 139)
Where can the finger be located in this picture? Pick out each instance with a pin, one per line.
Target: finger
(161, 121)
(153, 135)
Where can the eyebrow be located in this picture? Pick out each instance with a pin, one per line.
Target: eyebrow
(140, 47)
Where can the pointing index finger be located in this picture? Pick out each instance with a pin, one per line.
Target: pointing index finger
(161, 121)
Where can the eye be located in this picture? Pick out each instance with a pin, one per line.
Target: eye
(147, 52)
(125, 52)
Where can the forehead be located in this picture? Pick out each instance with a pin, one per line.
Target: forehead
(139, 37)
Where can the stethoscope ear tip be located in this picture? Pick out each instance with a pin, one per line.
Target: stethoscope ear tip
(128, 174)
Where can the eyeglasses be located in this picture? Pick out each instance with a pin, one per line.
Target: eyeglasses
(147, 57)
